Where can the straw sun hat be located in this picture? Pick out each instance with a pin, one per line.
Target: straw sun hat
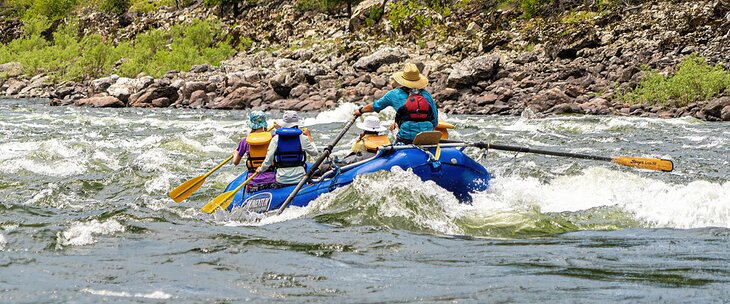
(411, 77)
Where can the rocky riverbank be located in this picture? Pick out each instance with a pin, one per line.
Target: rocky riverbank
(479, 61)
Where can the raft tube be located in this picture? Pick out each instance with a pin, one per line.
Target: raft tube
(453, 171)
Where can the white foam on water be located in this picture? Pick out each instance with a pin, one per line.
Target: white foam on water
(152, 160)
(56, 168)
(123, 294)
(342, 113)
(435, 208)
(82, 233)
(3, 242)
(697, 204)
(51, 196)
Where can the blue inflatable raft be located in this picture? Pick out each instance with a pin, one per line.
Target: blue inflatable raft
(453, 171)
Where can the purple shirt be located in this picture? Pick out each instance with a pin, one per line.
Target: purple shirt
(263, 177)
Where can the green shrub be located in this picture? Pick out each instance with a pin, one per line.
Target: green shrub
(147, 6)
(530, 8)
(114, 6)
(154, 52)
(695, 80)
(51, 9)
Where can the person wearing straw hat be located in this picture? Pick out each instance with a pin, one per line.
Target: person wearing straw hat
(370, 139)
(416, 110)
(252, 149)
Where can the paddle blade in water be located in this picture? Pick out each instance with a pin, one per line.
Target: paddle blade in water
(219, 201)
(645, 163)
(184, 191)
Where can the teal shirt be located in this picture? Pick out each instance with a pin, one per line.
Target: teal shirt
(396, 98)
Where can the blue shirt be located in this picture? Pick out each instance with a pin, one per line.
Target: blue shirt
(396, 98)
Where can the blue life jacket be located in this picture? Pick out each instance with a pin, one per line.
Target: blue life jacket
(289, 151)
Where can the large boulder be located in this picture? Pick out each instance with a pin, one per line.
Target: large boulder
(287, 79)
(363, 11)
(546, 99)
(123, 88)
(14, 86)
(469, 72)
(11, 69)
(713, 110)
(383, 56)
(241, 98)
(101, 84)
(101, 102)
(145, 98)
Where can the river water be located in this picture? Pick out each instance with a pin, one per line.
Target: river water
(84, 215)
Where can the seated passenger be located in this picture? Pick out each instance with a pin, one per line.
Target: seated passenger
(253, 149)
(370, 139)
(287, 151)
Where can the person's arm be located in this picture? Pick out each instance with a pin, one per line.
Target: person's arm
(378, 105)
(308, 146)
(364, 109)
(269, 155)
(239, 152)
(236, 158)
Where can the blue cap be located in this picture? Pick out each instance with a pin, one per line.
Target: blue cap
(257, 120)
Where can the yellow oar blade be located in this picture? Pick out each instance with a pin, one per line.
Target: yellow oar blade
(224, 200)
(184, 191)
(645, 163)
(218, 201)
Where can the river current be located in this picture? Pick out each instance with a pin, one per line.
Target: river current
(85, 218)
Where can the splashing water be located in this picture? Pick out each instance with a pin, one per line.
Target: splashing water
(84, 215)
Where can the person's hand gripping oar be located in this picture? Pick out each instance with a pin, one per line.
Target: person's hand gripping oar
(189, 187)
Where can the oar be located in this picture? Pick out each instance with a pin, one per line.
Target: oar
(325, 153)
(224, 200)
(183, 191)
(630, 161)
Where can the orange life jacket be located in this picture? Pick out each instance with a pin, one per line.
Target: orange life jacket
(373, 142)
(258, 144)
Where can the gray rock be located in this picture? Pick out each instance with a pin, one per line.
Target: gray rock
(715, 107)
(201, 68)
(101, 84)
(11, 69)
(123, 88)
(101, 102)
(284, 81)
(198, 99)
(469, 72)
(362, 12)
(725, 115)
(383, 56)
(14, 86)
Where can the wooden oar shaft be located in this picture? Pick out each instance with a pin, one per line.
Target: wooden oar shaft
(310, 172)
(537, 151)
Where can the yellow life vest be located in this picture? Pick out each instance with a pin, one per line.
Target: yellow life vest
(444, 127)
(373, 142)
(258, 144)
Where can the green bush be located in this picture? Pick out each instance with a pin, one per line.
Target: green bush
(114, 6)
(530, 8)
(154, 52)
(51, 9)
(695, 80)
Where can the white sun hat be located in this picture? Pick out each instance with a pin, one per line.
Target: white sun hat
(372, 124)
(290, 119)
